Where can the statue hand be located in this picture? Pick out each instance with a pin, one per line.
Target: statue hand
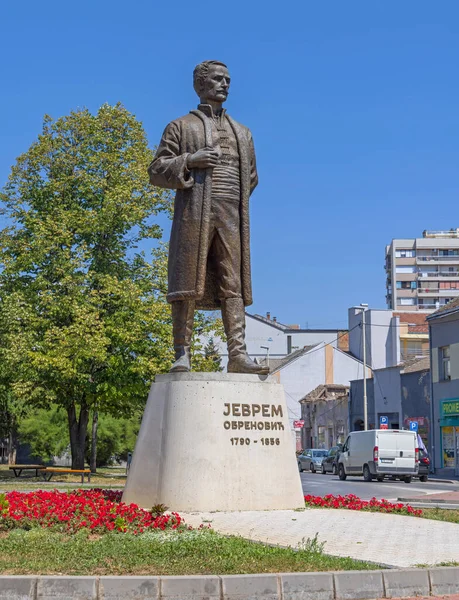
(207, 158)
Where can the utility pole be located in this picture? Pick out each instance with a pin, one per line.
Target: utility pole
(363, 308)
(267, 354)
(365, 403)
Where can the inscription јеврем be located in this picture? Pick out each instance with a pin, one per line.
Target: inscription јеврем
(266, 411)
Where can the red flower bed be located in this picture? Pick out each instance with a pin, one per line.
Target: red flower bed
(97, 510)
(353, 502)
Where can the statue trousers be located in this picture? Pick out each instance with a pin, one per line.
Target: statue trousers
(224, 247)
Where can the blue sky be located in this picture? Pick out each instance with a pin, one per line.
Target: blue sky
(353, 107)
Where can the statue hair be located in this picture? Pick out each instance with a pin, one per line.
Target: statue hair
(200, 73)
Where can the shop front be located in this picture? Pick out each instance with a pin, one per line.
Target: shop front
(449, 424)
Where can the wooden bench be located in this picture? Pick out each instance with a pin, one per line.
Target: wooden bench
(48, 472)
(17, 469)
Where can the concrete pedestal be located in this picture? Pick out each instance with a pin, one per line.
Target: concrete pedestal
(215, 442)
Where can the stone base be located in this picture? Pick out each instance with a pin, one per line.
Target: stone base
(215, 442)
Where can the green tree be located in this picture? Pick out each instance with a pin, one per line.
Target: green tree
(83, 319)
(212, 354)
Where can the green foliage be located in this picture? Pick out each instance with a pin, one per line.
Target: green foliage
(158, 509)
(312, 545)
(45, 431)
(115, 438)
(83, 316)
(4, 505)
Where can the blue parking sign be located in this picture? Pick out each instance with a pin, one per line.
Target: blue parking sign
(383, 422)
(414, 426)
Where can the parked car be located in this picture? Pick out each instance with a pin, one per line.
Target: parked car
(379, 453)
(424, 465)
(330, 462)
(311, 459)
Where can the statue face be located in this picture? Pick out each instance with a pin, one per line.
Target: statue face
(216, 85)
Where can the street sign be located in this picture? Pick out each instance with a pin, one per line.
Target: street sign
(298, 424)
(383, 422)
(414, 426)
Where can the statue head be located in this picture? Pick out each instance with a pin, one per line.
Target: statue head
(211, 81)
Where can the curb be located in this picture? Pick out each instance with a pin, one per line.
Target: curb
(427, 501)
(342, 585)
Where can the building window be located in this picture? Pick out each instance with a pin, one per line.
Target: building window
(405, 253)
(405, 301)
(405, 269)
(407, 285)
(445, 366)
(449, 285)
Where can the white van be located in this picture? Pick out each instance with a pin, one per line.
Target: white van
(379, 453)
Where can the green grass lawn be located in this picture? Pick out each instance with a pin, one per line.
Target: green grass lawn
(441, 514)
(189, 553)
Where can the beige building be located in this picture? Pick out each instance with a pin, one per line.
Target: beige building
(423, 273)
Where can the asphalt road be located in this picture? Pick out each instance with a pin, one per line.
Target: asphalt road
(320, 485)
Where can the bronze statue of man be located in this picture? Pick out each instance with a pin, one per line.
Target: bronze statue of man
(209, 159)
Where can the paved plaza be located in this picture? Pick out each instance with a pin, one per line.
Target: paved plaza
(393, 540)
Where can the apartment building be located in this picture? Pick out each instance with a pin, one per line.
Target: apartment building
(423, 273)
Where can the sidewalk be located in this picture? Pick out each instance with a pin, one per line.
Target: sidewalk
(447, 475)
(391, 540)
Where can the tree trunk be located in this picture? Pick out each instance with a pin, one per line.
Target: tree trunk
(78, 429)
(12, 448)
(95, 420)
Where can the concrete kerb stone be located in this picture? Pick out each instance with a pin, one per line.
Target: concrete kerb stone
(54, 587)
(18, 587)
(342, 585)
(444, 580)
(131, 587)
(406, 583)
(199, 587)
(307, 586)
(250, 587)
(358, 585)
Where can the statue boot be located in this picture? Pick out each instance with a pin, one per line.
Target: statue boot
(233, 315)
(182, 327)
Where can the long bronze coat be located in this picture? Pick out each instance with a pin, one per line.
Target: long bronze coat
(190, 275)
